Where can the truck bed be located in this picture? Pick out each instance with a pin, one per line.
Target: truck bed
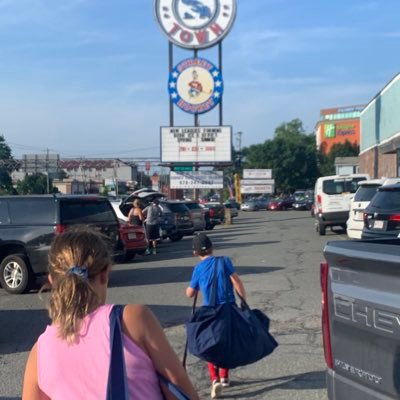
(364, 319)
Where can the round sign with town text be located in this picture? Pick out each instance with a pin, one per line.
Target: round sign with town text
(195, 24)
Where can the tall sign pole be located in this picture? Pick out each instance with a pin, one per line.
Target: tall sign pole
(195, 84)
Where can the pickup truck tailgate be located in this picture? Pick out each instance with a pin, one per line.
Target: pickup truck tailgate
(364, 319)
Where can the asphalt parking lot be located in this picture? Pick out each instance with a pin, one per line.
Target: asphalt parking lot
(277, 254)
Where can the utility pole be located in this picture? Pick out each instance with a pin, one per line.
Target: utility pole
(47, 171)
(238, 158)
(239, 141)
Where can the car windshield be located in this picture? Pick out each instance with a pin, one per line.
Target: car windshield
(299, 195)
(176, 207)
(365, 192)
(192, 206)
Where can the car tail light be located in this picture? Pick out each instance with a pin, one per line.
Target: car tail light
(395, 217)
(326, 336)
(212, 212)
(60, 228)
(319, 203)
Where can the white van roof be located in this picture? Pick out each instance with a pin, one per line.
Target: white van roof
(347, 176)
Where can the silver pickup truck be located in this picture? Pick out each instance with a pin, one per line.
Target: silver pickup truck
(360, 283)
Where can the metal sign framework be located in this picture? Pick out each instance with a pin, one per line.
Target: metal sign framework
(195, 25)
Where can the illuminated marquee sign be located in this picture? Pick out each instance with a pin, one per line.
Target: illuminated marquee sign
(197, 180)
(195, 24)
(199, 144)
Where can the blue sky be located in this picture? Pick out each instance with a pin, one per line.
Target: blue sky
(89, 77)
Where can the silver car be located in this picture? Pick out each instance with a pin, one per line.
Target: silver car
(197, 214)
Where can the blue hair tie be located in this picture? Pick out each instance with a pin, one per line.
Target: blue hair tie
(80, 271)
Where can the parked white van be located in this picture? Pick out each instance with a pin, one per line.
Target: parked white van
(332, 199)
(365, 192)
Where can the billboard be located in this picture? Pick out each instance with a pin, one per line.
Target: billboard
(257, 173)
(250, 182)
(257, 189)
(197, 180)
(196, 144)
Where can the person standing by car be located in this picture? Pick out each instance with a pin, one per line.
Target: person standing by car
(202, 279)
(135, 216)
(153, 213)
(71, 358)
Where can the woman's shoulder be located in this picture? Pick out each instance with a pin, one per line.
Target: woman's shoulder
(138, 322)
(137, 316)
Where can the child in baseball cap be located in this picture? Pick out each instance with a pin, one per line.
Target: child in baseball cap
(201, 281)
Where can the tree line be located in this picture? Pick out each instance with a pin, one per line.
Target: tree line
(291, 154)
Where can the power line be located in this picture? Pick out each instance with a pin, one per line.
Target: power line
(74, 154)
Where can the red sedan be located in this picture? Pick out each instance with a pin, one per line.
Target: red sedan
(133, 239)
(280, 203)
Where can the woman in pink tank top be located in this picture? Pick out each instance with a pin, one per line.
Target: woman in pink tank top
(71, 358)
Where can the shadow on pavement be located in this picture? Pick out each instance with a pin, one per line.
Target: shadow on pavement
(171, 315)
(305, 381)
(161, 275)
(10, 398)
(20, 329)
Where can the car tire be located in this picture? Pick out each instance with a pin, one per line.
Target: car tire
(129, 256)
(175, 237)
(321, 229)
(15, 274)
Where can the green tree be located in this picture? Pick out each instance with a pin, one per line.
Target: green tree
(327, 161)
(7, 165)
(291, 155)
(34, 184)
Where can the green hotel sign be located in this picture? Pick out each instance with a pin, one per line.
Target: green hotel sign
(330, 131)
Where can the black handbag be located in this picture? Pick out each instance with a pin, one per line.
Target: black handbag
(226, 335)
(117, 387)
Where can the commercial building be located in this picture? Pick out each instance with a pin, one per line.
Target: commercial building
(81, 175)
(336, 125)
(380, 133)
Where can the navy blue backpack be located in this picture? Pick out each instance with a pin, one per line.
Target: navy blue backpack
(226, 335)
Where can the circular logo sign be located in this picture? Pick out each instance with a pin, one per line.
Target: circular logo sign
(195, 85)
(195, 24)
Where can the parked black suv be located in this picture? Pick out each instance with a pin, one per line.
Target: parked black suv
(382, 215)
(28, 225)
(183, 224)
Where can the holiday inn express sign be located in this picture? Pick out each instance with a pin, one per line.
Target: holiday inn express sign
(195, 24)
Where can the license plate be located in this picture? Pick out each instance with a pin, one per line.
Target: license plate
(359, 216)
(378, 224)
(132, 235)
